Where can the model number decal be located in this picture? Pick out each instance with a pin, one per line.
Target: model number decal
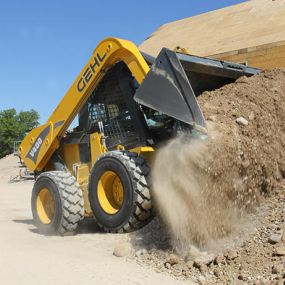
(89, 72)
(37, 145)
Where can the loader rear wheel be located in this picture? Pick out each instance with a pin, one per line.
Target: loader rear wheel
(119, 192)
(57, 203)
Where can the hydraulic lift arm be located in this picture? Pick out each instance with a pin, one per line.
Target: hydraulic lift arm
(39, 145)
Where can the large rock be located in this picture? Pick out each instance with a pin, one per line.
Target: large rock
(219, 259)
(231, 255)
(172, 259)
(242, 121)
(122, 249)
(275, 238)
(205, 259)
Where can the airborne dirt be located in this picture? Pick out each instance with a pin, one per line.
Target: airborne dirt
(196, 210)
(222, 200)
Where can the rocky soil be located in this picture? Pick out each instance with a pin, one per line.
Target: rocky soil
(244, 168)
(253, 255)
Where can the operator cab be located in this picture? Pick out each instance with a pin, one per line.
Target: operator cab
(112, 112)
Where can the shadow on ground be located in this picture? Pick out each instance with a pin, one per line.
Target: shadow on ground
(25, 221)
(152, 236)
(87, 226)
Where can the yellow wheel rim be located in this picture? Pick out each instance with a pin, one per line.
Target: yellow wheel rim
(45, 206)
(110, 192)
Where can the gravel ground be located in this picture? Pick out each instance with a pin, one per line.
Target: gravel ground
(254, 255)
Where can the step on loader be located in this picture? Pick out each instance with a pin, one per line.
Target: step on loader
(127, 104)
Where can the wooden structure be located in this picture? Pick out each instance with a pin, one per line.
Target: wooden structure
(252, 32)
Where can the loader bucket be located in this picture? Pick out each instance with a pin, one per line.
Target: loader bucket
(176, 79)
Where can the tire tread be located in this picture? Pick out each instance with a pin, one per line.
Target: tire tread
(140, 175)
(71, 200)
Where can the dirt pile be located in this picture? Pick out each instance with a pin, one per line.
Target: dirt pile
(250, 116)
(203, 190)
(202, 187)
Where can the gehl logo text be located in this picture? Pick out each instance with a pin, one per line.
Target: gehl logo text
(89, 72)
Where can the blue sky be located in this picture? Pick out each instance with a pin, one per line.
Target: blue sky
(45, 44)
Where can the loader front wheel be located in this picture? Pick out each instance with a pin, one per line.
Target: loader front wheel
(57, 203)
(119, 191)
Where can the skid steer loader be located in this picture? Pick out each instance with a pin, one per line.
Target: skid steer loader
(127, 104)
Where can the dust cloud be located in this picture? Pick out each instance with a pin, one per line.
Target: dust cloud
(194, 209)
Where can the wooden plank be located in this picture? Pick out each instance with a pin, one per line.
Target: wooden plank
(264, 59)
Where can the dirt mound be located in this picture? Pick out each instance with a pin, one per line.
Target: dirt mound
(250, 116)
(202, 187)
(206, 190)
(9, 167)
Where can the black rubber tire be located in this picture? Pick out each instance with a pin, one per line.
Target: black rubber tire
(69, 205)
(136, 210)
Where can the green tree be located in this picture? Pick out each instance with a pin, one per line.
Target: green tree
(13, 127)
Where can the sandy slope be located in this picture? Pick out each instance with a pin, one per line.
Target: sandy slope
(27, 257)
